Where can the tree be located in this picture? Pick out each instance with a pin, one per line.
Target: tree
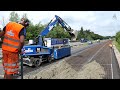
(117, 37)
(81, 34)
(34, 30)
(58, 32)
(87, 34)
(14, 17)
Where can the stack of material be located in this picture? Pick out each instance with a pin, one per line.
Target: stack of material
(62, 70)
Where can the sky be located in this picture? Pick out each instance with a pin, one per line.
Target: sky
(99, 22)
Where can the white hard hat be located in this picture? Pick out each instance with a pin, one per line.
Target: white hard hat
(1, 27)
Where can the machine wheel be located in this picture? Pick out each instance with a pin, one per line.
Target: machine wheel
(49, 59)
(37, 62)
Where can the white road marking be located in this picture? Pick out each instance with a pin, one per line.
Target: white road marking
(111, 64)
(95, 54)
(88, 47)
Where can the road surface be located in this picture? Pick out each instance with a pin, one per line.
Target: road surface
(99, 52)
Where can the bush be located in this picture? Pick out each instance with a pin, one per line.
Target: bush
(117, 37)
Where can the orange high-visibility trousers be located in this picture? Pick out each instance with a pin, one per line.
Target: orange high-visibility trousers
(10, 62)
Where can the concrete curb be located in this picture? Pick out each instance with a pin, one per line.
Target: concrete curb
(117, 54)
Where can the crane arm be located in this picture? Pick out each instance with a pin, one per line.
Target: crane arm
(52, 23)
(50, 26)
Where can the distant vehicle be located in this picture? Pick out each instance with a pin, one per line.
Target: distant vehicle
(90, 42)
(98, 40)
(82, 40)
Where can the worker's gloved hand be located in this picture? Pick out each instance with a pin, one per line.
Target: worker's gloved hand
(21, 51)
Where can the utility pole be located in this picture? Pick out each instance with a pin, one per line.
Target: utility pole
(115, 18)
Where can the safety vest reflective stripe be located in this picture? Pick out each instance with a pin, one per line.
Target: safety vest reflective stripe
(11, 39)
(14, 64)
(5, 64)
(10, 45)
(10, 70)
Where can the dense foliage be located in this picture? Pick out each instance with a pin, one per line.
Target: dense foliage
(117, 37)
(87, 34)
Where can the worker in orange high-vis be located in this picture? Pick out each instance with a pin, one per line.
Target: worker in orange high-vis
(14, 34)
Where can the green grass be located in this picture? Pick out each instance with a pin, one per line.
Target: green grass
(85, 44)
(117, 45)
(0, 61)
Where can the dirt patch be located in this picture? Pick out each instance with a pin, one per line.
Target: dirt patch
(91, 70)
(63, 70)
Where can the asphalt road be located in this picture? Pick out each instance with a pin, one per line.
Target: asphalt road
(101, 52)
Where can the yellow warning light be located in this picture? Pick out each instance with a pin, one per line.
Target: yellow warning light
(110, 45)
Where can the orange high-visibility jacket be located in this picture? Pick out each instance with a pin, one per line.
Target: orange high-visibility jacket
(11, 39)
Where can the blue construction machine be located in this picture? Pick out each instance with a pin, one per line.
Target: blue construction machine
(47, 49)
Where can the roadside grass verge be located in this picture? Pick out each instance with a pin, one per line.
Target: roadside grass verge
(0, 61)
(117, 45)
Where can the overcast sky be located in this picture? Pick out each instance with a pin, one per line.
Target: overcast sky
(100, 22)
